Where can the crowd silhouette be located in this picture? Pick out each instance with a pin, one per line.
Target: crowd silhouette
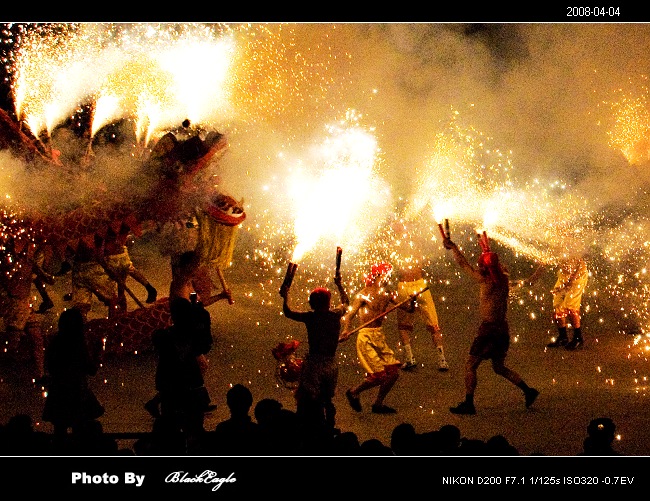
(269, 429)
(262, 428)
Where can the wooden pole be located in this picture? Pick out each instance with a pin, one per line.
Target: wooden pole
(224, 286)
(123, 285)
(392, 308)
(339, 252)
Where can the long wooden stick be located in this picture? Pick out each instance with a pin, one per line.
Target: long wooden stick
(394, 307)
(126, 288)
(224, 286)
(130, 293)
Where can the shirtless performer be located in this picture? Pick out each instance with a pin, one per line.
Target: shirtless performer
(189, 275)
(320, 371)
(411, 281)
(118, 262)
(493, 338)
(376, 357)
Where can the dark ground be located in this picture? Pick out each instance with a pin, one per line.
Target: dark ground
(607, 377)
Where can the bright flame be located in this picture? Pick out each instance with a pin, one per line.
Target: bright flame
(107, 109)
(159, 74)
(336, 199)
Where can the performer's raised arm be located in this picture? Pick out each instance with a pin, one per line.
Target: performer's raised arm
(460, 258)
(345, 300)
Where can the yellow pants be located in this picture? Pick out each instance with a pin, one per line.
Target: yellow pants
(425, 305)
(373, 351)
(567, 296)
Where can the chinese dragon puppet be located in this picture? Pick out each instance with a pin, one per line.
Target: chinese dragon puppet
(174, 184)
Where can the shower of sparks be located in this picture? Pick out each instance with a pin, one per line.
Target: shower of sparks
(625, 245)
(630, 131)
(156, 75)
(474, 185)
(153, 75)
(337, 203)
(288, 69)
(334, 197)
(469, 181)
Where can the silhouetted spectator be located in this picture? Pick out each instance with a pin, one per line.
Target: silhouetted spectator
(498, 445)
(346, 444)
(238, 435)
(601, 433)
(70, 401)
(428, 443)
(472, 447)
(179, 378)
(403, 440)
(266, 412)
(198, 329)
(284, 434)
(375, 447)
(266, 409)
(19, 438)
(316, 441)
(449, 438)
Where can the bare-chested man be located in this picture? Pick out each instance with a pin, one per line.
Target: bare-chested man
(493, 338)
(320, 370)
(119, 264)
(376, 357)
(411, 280)
(190, 275)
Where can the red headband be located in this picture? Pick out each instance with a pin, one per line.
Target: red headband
(378, 270)
(489, 259)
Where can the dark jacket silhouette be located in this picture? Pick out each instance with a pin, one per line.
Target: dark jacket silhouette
(70, 401)
(238, 435)
(179, 378)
